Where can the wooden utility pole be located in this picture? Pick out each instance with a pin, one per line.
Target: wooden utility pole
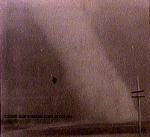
(139, 105)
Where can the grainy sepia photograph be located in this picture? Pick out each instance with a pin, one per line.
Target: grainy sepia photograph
(75, 68)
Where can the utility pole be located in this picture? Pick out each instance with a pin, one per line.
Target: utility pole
(139, 105)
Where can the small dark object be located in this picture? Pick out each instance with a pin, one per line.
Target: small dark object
(54, 80)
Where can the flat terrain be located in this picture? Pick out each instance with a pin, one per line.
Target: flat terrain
(75, 129)
(18, 134)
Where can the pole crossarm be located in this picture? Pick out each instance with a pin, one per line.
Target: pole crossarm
(137, 96)
(137, 91)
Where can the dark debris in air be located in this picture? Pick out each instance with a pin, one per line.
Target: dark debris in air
(54, 80)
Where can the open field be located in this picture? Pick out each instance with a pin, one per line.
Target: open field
(76, 129)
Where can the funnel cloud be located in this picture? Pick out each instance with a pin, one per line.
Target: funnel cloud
(72, 58)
